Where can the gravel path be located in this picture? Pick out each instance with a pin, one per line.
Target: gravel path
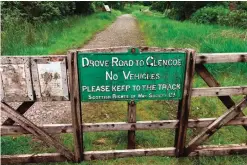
(123, 32)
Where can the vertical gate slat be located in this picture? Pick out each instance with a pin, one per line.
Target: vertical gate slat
(131, 119)
(184, 105)
(75, 106)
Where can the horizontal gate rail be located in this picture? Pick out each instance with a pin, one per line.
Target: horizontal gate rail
(203, 58)
(219, 91)
(111, 154)
(120, 126)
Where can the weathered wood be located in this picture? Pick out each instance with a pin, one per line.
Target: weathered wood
(219, 91)
(15, 78)
(184, 105)
(113, 154)
(49, 77)
(32, 128)
(75, 107)
(222, 146)
(120, 126)
(212, 82)
(203, 58)
(21, 110)
(104, 155)
(220, 150)
(126, 48)
(169, 151)
(216, 125)
(131, 119)
(49, 128)
(32, 158)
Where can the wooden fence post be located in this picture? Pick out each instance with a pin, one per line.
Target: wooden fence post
(75, 106)
(131, 119)
(184, 105)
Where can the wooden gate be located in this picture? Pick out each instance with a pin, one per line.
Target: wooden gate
(33, 78)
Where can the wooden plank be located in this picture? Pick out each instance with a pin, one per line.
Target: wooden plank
(184, 105)
(120, 126)
(169, 151)
(75, 107)
(103, 155)
(32, 158)
(21, 110)
(220, 150)
(131, 119)
(219, 91)
(203, 58)
(216, 125)
(113, 154)
(211, 82)
(49, 76)
(39, 133)
(15, 77)
(126, 48)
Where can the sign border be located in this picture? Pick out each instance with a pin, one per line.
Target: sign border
(135, 51)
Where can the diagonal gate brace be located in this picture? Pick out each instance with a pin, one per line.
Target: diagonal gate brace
(32, 128)
(216, 125)
(212, 82)
(21, 109)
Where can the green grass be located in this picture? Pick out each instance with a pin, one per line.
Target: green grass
(55, 37)
(162, 32)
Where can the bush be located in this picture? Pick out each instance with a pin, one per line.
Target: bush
(237, 18)
(158, 6)
(41, 11)
(209, 14)
(36, 11)
(222, 16)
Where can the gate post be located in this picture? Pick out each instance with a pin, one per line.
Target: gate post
(184, 105)
(75, 106)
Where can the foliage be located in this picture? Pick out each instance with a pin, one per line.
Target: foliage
(36, 11)
(180, 10)
(117, 5)
(241, 5)
(54, 37)
(158, 6)
(222, 16)
(84, 7)
(147, 3)
(40, 11)
(209, 14)
(236, 18)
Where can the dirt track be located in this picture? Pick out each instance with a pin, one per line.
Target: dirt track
(123, 32)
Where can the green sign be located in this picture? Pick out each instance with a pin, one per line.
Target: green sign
(131, 76)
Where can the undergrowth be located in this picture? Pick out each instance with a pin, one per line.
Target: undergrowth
(55, 37)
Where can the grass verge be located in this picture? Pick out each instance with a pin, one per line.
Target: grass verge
(55, 37)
